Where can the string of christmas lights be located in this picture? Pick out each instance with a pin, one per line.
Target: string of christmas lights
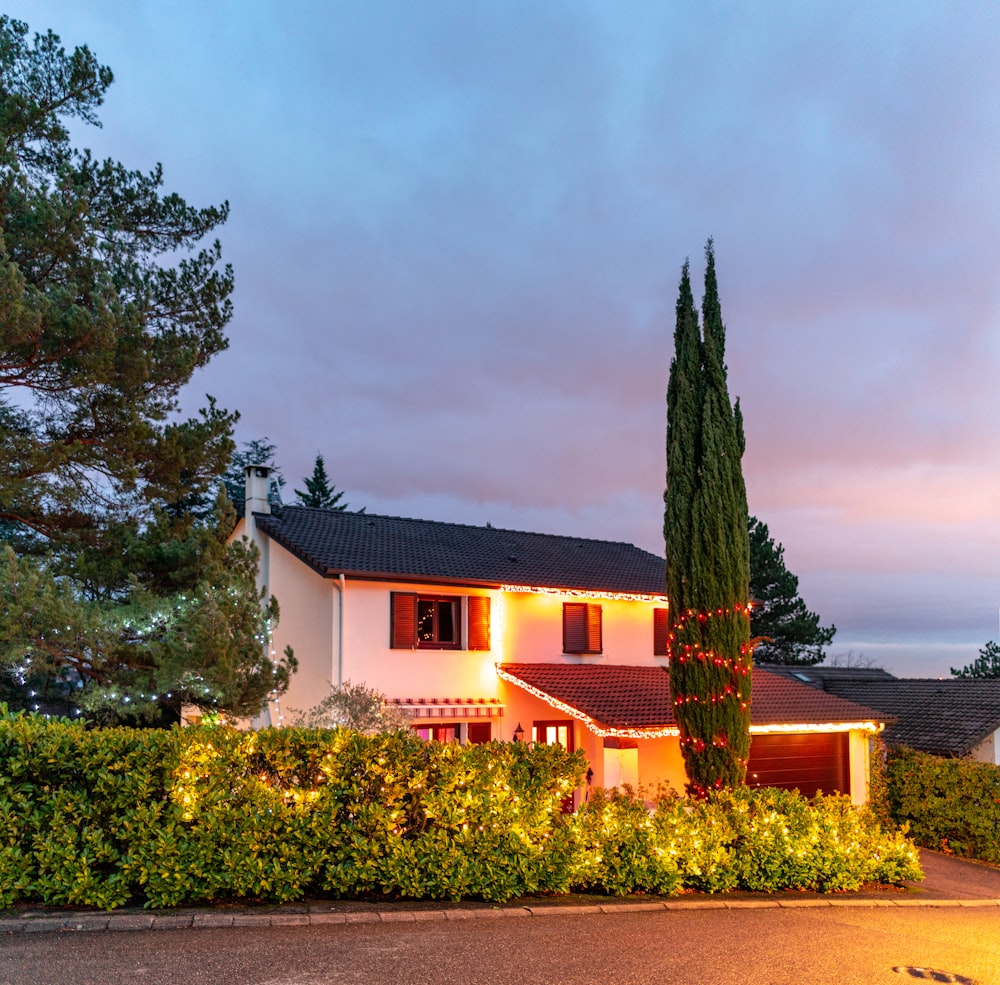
(709, 737)
(582, 593)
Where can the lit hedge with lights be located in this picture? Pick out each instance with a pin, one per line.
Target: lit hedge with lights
(762, 840)
(951, 805)
(107, 817)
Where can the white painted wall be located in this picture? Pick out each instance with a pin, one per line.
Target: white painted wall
(621, 768)
(417, 673)
(859, 757)
(988, 751)
(307, 622)
(533, 630)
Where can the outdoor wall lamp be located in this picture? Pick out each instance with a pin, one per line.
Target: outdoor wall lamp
(518, 733)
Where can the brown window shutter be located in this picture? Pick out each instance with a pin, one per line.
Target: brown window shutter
(594, 643)
(661, 630)
(479, 622)
(403, 621)
(574, 619)
(581, 628)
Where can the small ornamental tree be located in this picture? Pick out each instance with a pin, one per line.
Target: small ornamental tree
(707, 549)
(353, 706)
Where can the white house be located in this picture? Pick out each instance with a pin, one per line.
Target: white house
(479, 633)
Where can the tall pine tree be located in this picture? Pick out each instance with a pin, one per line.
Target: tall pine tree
(707, 548)
(118, 590)
(784, 630)
(320, 493)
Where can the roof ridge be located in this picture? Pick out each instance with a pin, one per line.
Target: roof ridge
(931, 680)
(326, 511)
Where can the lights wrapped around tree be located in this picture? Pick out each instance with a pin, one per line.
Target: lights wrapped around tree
(711, 692)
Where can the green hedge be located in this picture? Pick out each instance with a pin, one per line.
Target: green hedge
(761, 840)
(951, 805)
(110, 816)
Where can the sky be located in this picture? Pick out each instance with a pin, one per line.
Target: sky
(457, 230)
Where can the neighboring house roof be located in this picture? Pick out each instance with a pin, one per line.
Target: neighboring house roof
(944, 717)
(626, 698)
(386, 547)
(819, 676)
(947, 717)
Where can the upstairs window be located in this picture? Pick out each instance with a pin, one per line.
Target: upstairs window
(435, 622)
(581, 627)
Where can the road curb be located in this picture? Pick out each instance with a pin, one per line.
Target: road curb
(211, 919)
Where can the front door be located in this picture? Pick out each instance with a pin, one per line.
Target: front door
(549, 733)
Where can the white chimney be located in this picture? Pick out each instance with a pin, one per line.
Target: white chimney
(258, 485)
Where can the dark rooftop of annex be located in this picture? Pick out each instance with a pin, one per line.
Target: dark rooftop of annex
(946, 717)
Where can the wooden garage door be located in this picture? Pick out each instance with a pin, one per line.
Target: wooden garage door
(809, 762)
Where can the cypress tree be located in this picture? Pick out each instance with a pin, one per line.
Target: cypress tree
(707, 548)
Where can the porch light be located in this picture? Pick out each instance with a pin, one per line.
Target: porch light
(519, 733)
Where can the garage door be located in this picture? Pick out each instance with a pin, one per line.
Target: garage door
(809, 762)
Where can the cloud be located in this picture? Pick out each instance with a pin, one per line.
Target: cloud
(458, 232)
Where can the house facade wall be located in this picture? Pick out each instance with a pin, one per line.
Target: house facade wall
(340, 631)
(307, 620)
(410, 673)
(532, 629)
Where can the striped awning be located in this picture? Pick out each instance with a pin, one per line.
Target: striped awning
(451, 708)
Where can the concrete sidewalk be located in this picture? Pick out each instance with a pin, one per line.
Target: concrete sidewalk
(949, 881)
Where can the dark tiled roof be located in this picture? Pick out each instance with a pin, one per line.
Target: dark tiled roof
(944, 717)
(819, 676)
(363, 544)
(639, 697)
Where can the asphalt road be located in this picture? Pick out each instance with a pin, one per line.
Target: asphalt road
(856, 945)
(946, 928)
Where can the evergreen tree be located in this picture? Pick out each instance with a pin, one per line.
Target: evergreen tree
(319, 492)
(142, 657)
(107, 307)
(707, 548)
(784, 630)
(986, 665)
(116, 578)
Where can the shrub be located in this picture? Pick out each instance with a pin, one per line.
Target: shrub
(780, 840)
(700, 836)
(951, 805)
(619, 848)
(105, 816)
(97, 817)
